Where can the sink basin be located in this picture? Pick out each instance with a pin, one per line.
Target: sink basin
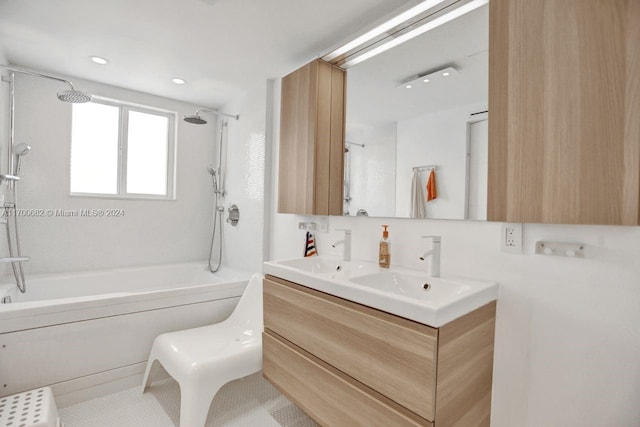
(420, 287)
(313, 264)
(398, 291)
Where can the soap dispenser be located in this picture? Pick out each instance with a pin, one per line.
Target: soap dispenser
(384, 256)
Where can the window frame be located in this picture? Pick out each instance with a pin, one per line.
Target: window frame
(123, 140)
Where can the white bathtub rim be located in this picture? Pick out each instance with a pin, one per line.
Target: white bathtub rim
(38, 319)
(227, 273)
(30, 308)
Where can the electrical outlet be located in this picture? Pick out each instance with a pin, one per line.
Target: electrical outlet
(511, 238)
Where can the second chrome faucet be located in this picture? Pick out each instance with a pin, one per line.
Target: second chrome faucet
(433, 254)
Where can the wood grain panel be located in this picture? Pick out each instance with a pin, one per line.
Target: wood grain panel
(297, 141)
(338, 121)
(632, 109)
(564, 101)
(465, 369)
(395, 356)
(323, 142)
(497, 181)
(324, 393)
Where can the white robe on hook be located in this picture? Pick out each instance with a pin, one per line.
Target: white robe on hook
(418, 204)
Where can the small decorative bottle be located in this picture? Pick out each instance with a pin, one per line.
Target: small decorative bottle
(384, 256)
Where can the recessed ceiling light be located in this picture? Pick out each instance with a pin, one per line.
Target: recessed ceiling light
(178, 81)
(446, 73)
(408, 86)
(99, 60)
(426, 80)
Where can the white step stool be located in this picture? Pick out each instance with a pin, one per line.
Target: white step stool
(33, 408)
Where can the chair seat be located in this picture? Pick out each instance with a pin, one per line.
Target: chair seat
(192, 351)
(203, 359)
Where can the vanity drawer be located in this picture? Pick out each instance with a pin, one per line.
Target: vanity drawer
(392, 355)
(327, 395)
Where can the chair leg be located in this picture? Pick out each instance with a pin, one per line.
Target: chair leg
(195, 403)
(151, 370)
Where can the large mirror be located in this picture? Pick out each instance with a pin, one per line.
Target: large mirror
(416, 129)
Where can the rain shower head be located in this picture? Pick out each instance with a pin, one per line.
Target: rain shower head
(74, 96)
(21, 149)
(195, 119)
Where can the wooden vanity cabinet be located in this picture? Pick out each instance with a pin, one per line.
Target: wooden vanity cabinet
(312, 126)
(346, 364)
(564, 103)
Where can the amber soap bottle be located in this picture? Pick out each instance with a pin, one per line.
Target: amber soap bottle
(384, 255)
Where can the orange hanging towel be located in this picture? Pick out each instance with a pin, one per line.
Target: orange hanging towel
(432, 191)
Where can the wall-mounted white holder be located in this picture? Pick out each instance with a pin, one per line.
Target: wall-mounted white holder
(308, 226)
(572, 250)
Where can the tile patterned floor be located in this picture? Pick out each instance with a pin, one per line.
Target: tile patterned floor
(248, 402)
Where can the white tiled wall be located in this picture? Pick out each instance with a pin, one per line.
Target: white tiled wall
(245, 178)
(567, 336)
(151, 232)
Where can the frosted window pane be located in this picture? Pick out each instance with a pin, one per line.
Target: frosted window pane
(94, 148)
(147, 150)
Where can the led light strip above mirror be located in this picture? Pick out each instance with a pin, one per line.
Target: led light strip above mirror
(415, 21)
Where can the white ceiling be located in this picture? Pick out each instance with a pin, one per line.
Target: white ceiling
(373, 95)
(221, 47)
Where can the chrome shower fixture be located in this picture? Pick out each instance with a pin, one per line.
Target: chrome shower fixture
(196, 119)
(72, 96)
(211, 170)
(20, 150)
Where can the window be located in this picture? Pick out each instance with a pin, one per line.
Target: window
(121, 150)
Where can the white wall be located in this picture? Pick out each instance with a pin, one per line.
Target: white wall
(567, 341)
(373, 171)
(439, 138)
(245, 178)
(151, 232)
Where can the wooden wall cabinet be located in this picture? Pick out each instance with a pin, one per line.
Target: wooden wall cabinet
(312, 124)
(350, 365)
(564, 101)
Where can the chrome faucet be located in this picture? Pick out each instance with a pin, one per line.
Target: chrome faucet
(346, 254)
(434, 254)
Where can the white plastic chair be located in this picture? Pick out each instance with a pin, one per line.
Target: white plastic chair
(204, 359)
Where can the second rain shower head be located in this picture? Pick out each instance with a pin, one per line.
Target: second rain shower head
(195, 119)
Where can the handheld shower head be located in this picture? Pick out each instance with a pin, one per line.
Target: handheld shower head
(21, 149)
(74, 96)
(211, 170)
(195, 119)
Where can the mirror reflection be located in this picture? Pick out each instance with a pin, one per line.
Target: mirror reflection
(416, 131)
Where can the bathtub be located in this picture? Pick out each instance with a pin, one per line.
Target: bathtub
(88, 332)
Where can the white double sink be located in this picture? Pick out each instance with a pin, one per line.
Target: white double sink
(411, 294)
